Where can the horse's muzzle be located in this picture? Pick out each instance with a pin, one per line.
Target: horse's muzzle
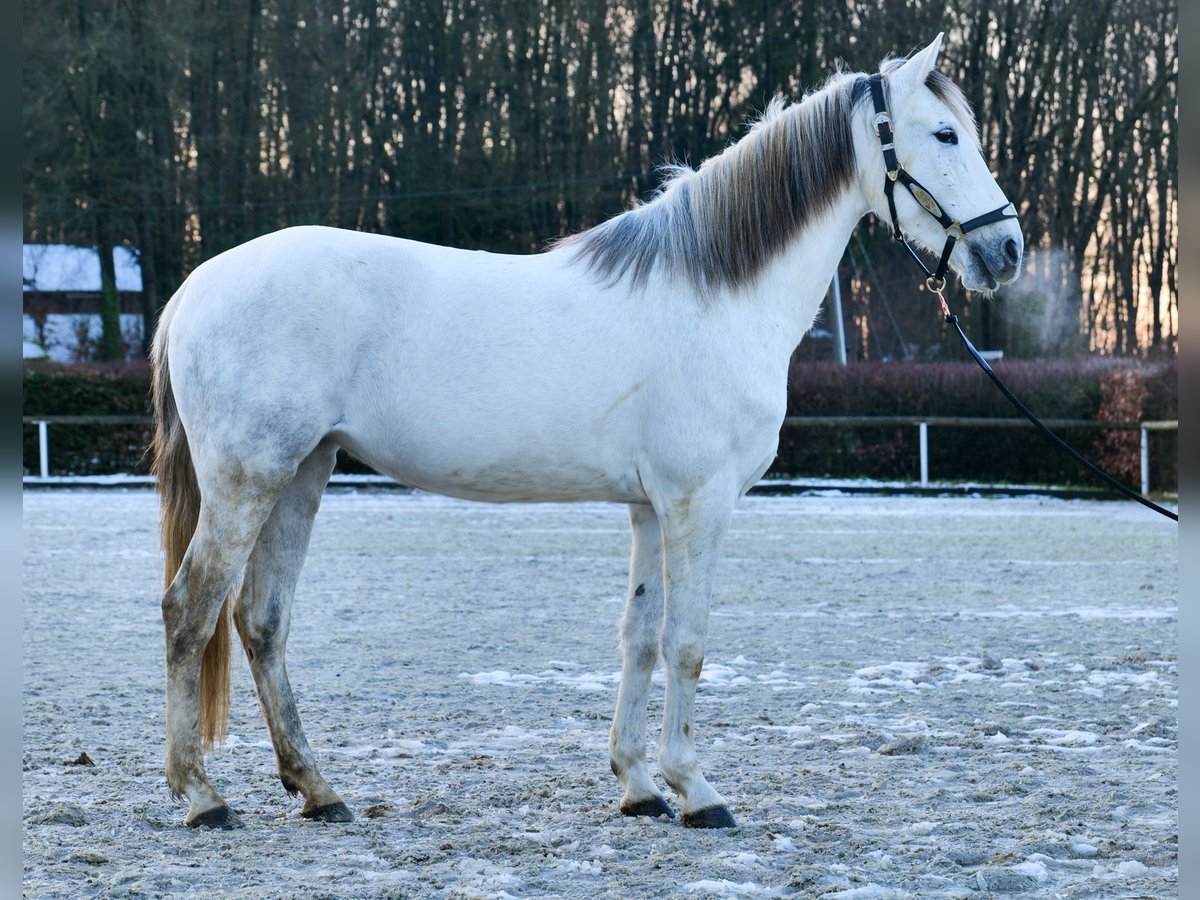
(999, 257)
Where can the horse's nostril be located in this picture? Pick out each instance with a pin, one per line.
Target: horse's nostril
(1012, 251)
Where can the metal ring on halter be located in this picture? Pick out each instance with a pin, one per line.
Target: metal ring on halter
(935, 284)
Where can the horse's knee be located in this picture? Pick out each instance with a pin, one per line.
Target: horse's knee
(684, 658)
(644, 656)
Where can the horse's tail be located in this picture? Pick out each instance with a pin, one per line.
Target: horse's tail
(180, 497)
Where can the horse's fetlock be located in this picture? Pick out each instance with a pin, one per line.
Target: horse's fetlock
(622, 759)
(183, 775)
(673, 783)
(676, 765)
(289, 784)
(298, 779)
(175, 788)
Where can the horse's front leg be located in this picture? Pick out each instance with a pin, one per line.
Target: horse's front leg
(694, 529)
(639, 644)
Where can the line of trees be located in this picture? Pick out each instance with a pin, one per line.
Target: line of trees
(184, 127)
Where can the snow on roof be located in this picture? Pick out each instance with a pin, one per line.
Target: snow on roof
(63, 267)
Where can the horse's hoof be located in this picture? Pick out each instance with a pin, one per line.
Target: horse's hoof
(221, 817)
(713, 817)
(651, 806)
(330, 812)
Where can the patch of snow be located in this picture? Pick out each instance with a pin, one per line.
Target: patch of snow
(922, 827)
(1131, 868)
(1033, 868)
(868, 892)
(723, 888)
(1066, 738)
(579, 867)
(715, 674)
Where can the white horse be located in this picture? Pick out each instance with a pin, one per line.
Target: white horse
(641, 362)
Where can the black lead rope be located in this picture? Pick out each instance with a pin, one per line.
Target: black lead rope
(1041, 426)
(936, 280)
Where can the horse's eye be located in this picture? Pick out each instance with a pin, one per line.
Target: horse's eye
(947, 136)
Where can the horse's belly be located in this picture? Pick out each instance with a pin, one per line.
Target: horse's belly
(531, 476)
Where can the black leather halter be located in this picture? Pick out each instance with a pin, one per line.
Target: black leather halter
(935, 280)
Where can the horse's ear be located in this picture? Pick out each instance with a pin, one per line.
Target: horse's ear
(913, 73)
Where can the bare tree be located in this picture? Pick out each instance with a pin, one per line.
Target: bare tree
(184, 128)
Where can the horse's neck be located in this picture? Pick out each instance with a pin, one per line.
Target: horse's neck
(789, 290)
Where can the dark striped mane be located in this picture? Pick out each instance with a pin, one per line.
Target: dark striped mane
(719, 225)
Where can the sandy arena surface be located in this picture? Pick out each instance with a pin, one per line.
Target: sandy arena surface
(903, 697)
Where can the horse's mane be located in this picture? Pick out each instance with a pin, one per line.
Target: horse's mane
(718, 225)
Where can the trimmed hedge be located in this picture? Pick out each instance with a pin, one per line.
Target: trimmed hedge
(93, 389)
(1091, 388)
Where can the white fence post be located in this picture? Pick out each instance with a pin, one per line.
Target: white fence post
(1145, 461)
(44, 449)
(923, 431)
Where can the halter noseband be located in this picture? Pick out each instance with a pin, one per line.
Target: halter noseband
(935, 280)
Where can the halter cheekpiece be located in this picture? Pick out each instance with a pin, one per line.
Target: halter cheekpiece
(935, 280)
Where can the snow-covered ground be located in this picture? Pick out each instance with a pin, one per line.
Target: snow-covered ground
(903, 697)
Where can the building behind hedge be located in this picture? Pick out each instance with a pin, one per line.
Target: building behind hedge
(62, 301)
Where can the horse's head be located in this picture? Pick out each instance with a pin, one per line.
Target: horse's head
(940, 185)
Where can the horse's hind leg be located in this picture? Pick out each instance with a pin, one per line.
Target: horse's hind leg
(639, 643)
(262, 616)
(228, 523)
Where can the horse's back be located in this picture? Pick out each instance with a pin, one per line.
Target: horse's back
(484, 375)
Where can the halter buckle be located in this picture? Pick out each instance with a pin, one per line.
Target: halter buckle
(881, 119)
(955, 230)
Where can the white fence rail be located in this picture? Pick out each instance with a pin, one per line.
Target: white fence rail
(921, 423)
